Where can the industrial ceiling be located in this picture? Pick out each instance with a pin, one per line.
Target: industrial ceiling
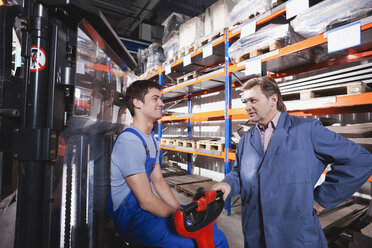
(126, 16)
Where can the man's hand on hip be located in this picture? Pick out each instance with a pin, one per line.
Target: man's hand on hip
(318, 208)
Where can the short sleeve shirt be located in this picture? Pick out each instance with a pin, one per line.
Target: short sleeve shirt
(128, 157)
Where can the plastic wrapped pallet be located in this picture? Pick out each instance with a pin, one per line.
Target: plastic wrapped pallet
(172, 25)
(191, 31)
(155, 55)
(217, 16)
(245, 8)
(271, 34)
(171, 46)
(330, 14)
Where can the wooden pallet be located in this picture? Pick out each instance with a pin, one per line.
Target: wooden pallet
(363, 130)
(331, 90)
(151, 71)
(190, 189)
(172, 171)
(208, 39)
(171, 60)
(276, 3)
(213, 146)
(254, 53)
(210, 145)
(185, 143)
(247, 19)
(186, 77)
(187, 50)
(187, 179)
(169, 142)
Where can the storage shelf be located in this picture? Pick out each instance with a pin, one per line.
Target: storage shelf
(230, 155)
(210, 80)
(196, 117)
(194, 86)
(317, 106)
(222, 156)
(297, 47)
(325, 106)
(280, 10)
(280, 63)
(277, 11)
(197, 52)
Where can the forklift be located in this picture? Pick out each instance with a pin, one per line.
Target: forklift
(60, 107)
(59, 110)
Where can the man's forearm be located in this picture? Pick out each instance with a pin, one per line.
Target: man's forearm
(166, 194)
(157, 207)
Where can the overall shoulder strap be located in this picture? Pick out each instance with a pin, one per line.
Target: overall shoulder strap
(135, 132)
(156, 148)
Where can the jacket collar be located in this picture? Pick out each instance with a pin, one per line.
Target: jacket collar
(256, 141)
(281, 132)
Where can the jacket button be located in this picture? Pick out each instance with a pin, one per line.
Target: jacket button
(126, 204)
(132, 218)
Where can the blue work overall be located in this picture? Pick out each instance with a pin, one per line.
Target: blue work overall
(139, 227)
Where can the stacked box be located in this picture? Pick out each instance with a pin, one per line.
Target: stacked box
(155, 55)
(264, 37)
(246, 8)
(171, 46)
(271, 36)
(172, 25)
(191, 31)
(330, 14)
(217, 16)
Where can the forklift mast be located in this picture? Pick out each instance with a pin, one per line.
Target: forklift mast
(57, 118)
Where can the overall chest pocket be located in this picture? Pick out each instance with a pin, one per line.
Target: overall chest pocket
(292, 166)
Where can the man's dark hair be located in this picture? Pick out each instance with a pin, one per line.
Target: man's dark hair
(137, 90)
(269, 87)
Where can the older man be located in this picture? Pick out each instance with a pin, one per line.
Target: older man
(279, 161)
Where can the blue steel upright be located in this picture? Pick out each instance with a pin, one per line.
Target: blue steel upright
(189, 133)
(160, 124)
(228, 123)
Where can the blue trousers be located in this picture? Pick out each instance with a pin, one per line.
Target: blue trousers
(139, 227)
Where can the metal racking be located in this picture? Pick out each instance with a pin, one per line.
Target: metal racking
(221, 80)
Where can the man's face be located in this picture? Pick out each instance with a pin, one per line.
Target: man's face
(260, 108)
(152, 104)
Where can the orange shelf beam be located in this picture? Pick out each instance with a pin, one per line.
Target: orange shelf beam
(196, 52)
(231, 155)
(222, 156)
(341, 102)
(261, 21)
(240, 113)
(196, 117)
(198, 80)
(299, 46)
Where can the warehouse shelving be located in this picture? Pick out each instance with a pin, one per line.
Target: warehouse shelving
(219, 43)
(221, 80)
(320, 39)
(222, 155)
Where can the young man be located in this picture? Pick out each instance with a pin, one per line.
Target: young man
(278, 163)
(142, 218)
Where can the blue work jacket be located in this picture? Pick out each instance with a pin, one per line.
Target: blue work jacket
(277, 186)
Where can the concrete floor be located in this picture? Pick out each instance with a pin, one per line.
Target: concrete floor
(230, 225)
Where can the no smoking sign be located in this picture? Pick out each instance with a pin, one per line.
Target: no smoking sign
(38, 59)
